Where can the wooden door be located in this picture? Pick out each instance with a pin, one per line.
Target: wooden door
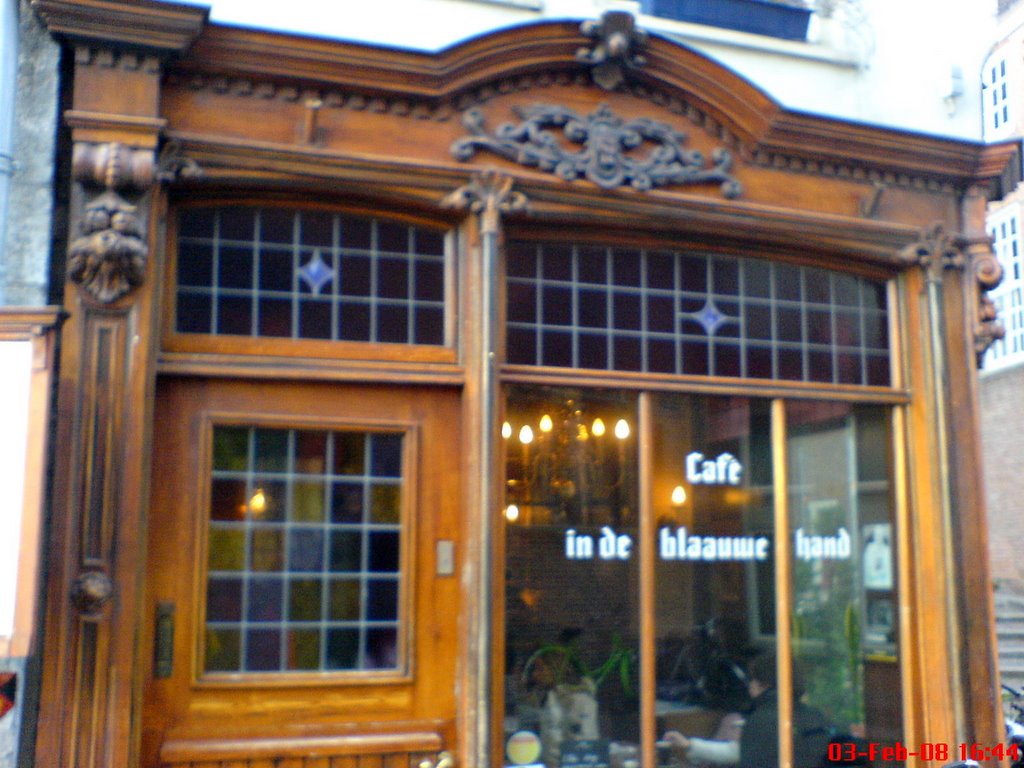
(302, 593)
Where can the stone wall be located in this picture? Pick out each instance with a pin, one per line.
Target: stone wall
(25, 252)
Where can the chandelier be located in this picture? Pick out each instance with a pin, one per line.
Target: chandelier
(569, 462)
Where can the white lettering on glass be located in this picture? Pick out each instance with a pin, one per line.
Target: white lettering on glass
(578, 546)
(614, 546)
(837, 547)
(683, 545)
(610, 545)
(680, 544)
(725, 470)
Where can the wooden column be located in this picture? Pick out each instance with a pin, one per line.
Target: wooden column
(489, 195)
(972, 312)
(89, 701)
(951, 304)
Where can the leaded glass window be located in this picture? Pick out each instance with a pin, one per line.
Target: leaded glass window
(309, 274)
(680, 312)
(304, 550)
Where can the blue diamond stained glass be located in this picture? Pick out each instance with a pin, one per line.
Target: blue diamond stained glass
(316, 273)
(711, 318)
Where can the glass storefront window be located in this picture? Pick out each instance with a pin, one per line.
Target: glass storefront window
(844, 630)
(571, 597)
(714, 589)
(584, 625)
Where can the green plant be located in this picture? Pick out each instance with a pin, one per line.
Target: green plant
(566, 664)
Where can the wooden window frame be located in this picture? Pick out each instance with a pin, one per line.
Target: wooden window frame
(404, 672)
(226, 347)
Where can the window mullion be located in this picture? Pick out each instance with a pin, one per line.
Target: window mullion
(783, 582)
(647, 534)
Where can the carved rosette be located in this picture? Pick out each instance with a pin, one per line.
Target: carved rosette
(606, 156)
(108, 258)
(617, 42)
(91, 591)
(488, 194)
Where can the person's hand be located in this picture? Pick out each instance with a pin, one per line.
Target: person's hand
(676, 739)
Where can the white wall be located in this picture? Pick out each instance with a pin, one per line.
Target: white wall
(16, 364)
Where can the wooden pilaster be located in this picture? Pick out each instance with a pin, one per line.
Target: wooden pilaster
(89, 708)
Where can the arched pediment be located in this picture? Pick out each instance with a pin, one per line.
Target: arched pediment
(524, 63)
(510, 58)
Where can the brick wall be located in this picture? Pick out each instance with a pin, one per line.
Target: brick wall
(1002, 436)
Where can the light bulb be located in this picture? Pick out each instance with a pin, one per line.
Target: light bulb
(506, 430)
(511, 513)
(678, 496)
(526, 435)
(622, 429)
(545, 423)
(258, 502)
(597, 428)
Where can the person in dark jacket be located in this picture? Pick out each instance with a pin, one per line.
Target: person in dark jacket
(759, 740)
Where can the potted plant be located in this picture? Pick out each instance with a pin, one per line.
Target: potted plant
(570, 705)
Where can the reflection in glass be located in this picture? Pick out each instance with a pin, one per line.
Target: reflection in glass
(844, 619)
(714, 564)
(571, 596)
(572, 599)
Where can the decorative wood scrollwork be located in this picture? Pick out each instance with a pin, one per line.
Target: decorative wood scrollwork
(91, 591)
(173, 165)
(615, 51)
(113, 166)
(489, 194)
(935, 251)
(989, 274)
(938, 250)
(603, 159)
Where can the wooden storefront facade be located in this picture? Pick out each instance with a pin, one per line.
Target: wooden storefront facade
(389, 379)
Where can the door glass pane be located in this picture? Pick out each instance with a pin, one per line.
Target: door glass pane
(844, 618)
(715, 582)
(304, 540)
(572, 591)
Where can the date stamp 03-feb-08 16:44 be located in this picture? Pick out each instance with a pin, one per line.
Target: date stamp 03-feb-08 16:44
(849, 751)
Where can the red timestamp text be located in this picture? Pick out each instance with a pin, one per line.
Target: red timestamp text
(852, 751)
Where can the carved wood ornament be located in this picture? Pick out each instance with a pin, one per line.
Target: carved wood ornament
(989, 273)
(108, 258)
(616, 48)
(938, 250)
(604, 158)
(488, 194)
